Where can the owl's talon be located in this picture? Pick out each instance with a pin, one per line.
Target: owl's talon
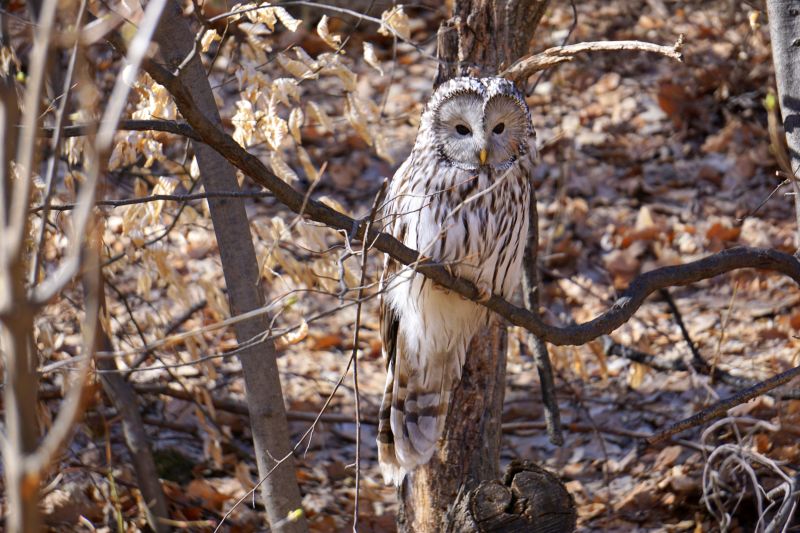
(484, 291)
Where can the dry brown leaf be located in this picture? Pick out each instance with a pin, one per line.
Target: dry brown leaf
(334, 41)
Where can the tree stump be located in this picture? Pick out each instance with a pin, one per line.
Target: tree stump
(529, 499)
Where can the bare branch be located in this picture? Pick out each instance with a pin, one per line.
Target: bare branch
(102, 145)
(357, 329)
(14, 235)
(530, 295)
(721, 407)
(73, 405)
(159, 198)
(167, 126)
(527, 66)
(52, 162)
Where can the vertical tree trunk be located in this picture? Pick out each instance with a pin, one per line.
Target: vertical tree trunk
(16, 326)
(470, 447)
(784, 31)
(21, 388)
(459, 490)
(279, 490)
(123, 396)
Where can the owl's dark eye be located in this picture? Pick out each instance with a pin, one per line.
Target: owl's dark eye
(499, 128)
(462, 129)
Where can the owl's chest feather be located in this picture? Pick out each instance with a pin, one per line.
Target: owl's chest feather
(474, 221)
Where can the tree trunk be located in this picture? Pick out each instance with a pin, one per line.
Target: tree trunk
(469, 450)
(784, 31)
(459, 490)
(123, 396)
(21, 385)
(279, 491)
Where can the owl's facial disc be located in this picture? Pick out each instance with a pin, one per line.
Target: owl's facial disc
(506, 129)
(459, 130)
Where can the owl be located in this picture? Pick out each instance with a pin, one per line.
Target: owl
(462, 199)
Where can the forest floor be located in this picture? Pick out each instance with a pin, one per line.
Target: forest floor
(645, 162)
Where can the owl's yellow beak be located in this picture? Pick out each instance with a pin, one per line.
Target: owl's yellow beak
(483, 155)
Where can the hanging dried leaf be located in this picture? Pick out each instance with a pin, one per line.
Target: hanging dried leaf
(285, 88)
(274, 129)
(322, 118)
(334, 41)
(244, 123)
(296, 68)
(209, 37)
(287, 20)
(371, 57)
(357, 119)
(281, 169)
(293, 337)
(395, 21)
(336, 68)
(296, 119)
(311, 172)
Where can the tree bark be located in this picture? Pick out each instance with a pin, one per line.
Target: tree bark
(784, 30)
(22, 485)
(279, 490)
(492, 34)
(529, 499)
(458, 490)
(469, 450)
(123, 396)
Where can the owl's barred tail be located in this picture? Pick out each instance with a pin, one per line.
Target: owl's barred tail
(412, 416)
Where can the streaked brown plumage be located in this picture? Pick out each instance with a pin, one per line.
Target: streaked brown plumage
(461, 198)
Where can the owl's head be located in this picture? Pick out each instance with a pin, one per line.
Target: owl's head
(474, 122)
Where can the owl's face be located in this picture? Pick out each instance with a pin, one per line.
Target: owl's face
(476, 122)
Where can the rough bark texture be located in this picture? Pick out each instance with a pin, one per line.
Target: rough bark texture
(492, 34)
(458, 489)
(23, 490)
(279, 491)
(784, 30)
(470, 447)
(529, 499)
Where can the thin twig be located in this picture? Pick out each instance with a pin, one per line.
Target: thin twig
(721, 407)
(167, 126)
(158, 198)
(697, 358)
(52, 162)
(354, 356)
(723, 329)
(531, 287)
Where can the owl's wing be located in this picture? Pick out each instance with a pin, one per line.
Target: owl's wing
(390, 322)
(393, 206)
(389, 319)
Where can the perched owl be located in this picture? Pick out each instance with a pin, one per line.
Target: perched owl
(461, 198)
